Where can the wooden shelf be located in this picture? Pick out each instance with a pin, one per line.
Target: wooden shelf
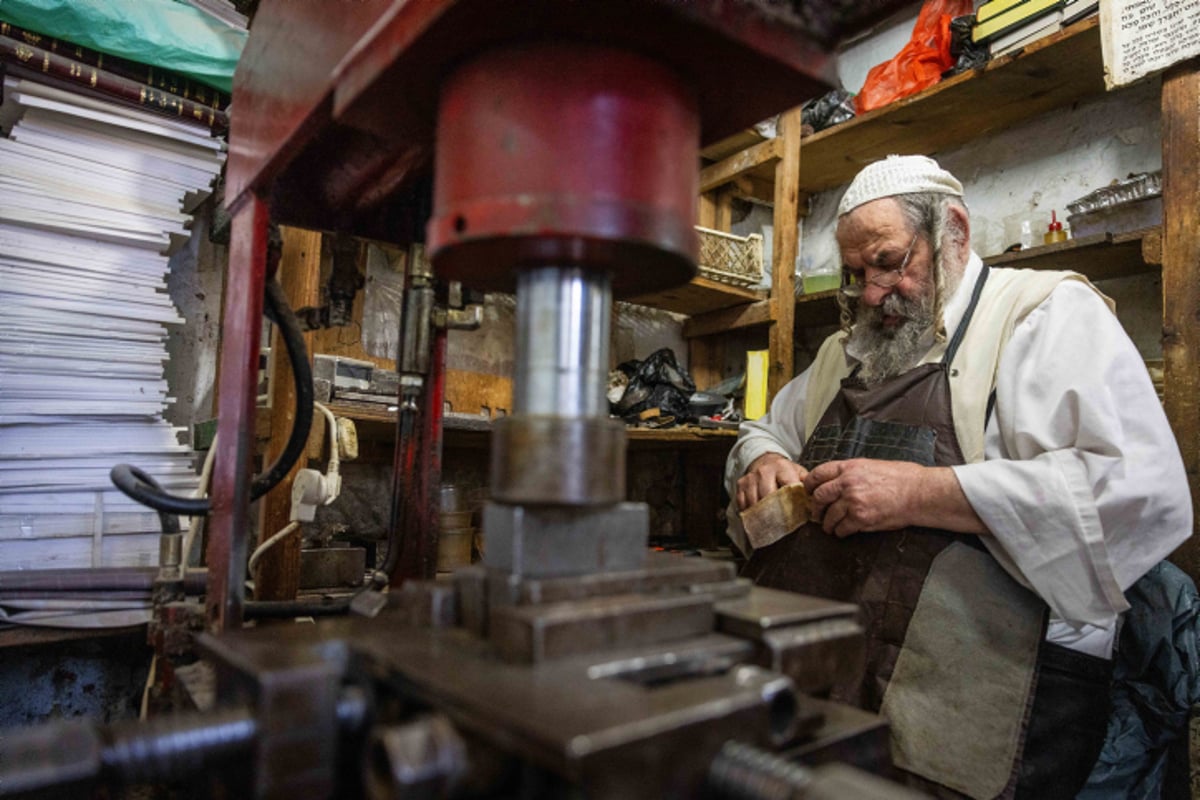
(640, 438)
(1101, 256)
(1053, 72)
(469, 430)
(700, 296)
(817, 309)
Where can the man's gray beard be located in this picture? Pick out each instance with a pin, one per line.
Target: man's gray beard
(887, 352)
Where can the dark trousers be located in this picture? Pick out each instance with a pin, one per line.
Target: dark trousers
(1067, 724)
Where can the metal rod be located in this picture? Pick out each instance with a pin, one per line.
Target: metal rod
(562, 342)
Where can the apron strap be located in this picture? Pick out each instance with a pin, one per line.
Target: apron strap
(956, 340)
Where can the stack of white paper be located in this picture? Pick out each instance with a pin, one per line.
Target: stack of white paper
(90, 198)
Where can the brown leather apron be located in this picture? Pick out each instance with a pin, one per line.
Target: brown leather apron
(909, 418)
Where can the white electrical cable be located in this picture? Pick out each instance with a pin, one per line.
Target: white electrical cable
(284, 532)
(335, 459)
(201, 490)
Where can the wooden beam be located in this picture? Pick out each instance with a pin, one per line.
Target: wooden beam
(706, 210)
(724, 216)
(722, 172)
(1181, 280)
(753, 188)
(727, 319)
(277, 576)
(704, 361)
(783, 266)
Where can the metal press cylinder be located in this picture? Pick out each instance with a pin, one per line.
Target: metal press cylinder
(562, 342)
(559, 446)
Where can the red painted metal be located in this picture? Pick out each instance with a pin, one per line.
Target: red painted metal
(566, 154)
(416, 475)
(341, 127)
(241, 329)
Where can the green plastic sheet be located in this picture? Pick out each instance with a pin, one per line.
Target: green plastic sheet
(162, 33)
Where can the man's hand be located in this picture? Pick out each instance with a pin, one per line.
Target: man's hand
(870, 495)
(765, 474)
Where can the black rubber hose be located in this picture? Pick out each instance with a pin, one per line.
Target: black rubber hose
(279, 312)
(140, 487)
(286, 609)
(168, 522)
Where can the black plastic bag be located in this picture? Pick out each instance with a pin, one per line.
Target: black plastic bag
(658, 382)
(828, 110)
(966, 54)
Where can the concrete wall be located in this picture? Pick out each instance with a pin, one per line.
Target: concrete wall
(195, 283)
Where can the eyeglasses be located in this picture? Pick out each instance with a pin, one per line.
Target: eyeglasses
(854, 282)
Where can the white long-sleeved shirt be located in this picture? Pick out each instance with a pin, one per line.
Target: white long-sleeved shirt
(1082, 485)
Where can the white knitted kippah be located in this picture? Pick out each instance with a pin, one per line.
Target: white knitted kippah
(898, 175)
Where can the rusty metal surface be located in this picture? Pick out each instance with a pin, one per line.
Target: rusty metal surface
(540, 460)
(817, 656)
(764, 609)
(471, 585)
(617, 735)
(581, 717)
(543, 541)
(416, 475)
(422, 758)
(848, 735)
(66, 754)
(241, 329)
(636, 720)
(426, 604)
(295, 693)
(661, 572)
(534, 634)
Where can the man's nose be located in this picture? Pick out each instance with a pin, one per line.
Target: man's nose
(875, 295)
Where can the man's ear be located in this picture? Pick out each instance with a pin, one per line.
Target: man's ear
(962, 222)
(958, 230)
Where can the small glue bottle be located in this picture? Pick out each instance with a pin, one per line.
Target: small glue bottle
(1055, 232)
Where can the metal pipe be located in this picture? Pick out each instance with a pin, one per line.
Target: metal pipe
(563, 317)
(93, 579)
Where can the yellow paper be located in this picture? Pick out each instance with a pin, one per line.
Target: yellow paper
(756, 383)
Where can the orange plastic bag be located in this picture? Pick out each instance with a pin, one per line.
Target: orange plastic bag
(921, 62)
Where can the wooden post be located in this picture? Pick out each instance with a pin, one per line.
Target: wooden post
(783, 262)
(1181, 279)
(277, 576)
(706, 210)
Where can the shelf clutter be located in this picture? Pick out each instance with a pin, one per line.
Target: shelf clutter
(1006, 26)
(91, 200)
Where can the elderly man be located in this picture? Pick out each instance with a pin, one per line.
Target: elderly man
(989, 469)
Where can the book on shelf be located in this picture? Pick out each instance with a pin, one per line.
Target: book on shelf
(1076, 10)
(162, 79)
(1014, 16)
(32, 60)
(1026, 34)
(993, 7)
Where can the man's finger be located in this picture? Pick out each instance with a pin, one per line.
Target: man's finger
(828, 492)
(822, 473)
(767, 483)
(834, 514)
